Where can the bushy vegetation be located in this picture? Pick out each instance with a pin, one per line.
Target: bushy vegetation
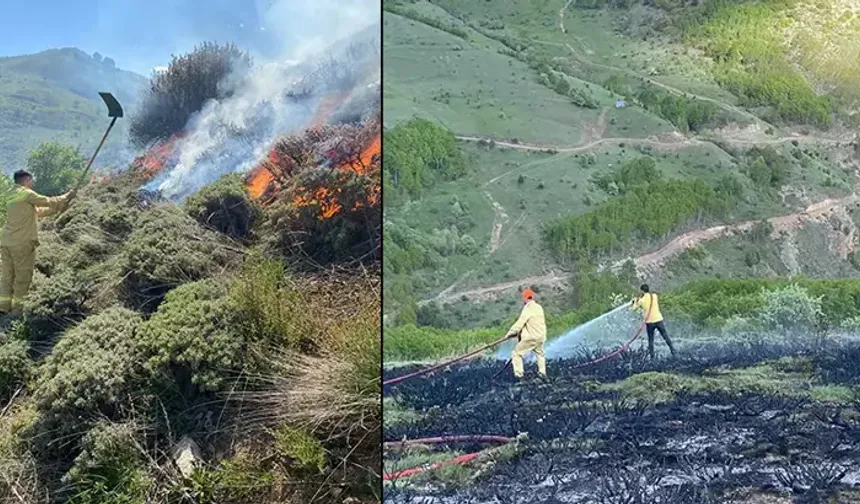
(150, 323)
(55, 167)
(327, 214)
(93, 371)
(737, 306)
(751, 59)
(767, 168)
(111, 466)
(15, 364)
(646, 207)
(193, 336)
(417, 154)
(411, 342)
(166, 249)
(192, 79)
(225, 206)
(401, 10)
(813, 303)
(687, 114)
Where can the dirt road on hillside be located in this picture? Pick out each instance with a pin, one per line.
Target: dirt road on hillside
(672, 140)
(480, 293)
(781, 223)
(667, 141)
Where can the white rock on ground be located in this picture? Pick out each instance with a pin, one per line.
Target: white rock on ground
(186, 454)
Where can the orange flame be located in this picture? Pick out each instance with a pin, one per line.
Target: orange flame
(152, 162)
(365, 160)
(327, 199)
(259, 180)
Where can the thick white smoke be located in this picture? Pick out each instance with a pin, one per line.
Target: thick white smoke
(328, 47)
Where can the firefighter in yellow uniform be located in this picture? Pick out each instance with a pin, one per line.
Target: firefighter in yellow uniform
(20, 239)
(531, 327)
(650, 305)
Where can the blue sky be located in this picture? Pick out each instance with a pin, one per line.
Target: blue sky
(139, 34)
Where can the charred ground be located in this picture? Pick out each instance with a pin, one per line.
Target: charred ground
(722, 423)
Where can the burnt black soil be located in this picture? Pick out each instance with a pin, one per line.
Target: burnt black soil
(586, 443)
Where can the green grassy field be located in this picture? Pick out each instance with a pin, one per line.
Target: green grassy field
(493, 73)
(54, 96)
(472, 89)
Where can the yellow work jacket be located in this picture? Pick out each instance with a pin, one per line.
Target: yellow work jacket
(644, 303)
(531, 325)
(22, 212)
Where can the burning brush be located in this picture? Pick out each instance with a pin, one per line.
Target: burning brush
(338, 149)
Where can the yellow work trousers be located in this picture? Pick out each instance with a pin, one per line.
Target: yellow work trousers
(16, 273)
(524, 347)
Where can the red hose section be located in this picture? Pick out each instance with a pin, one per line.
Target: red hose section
(462, 459)
(623, 347)
(465, 459)
(449, 439)
(444, 364)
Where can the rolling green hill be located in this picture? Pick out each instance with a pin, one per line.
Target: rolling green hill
(53, 95)
(549, 100)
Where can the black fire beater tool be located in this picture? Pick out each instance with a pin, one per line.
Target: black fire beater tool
(115, 112)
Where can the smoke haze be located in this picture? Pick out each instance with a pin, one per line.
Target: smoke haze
(325, 48)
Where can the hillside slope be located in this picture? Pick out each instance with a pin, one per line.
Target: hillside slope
(53, 95)
(547, 98)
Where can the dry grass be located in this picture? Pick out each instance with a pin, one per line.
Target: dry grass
(333, 393)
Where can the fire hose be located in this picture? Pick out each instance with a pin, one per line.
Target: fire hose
(465, 459)
(461, 459)
(447, 363)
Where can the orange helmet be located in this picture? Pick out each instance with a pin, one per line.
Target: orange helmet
(528, 294)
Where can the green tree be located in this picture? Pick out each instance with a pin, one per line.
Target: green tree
(56, 167)
(408, 314)
(6, 188)
(418, 153)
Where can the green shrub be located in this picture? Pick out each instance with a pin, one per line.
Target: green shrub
(54, 303)
(238, 480)
(686, 114)
(7, 188)
(789, 307)
(224, 206)
(752, 257)
(15, 364)
(761, 231)
(271, 308)
(108, 209)
(167, 249)
(194, 337)
(719, 299)
(93, 370)
(56, 167)
(298, 445)
(109, 468)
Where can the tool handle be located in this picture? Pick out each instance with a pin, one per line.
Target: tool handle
(93, 158)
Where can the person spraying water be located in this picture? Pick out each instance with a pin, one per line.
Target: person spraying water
(531, 328)
(649, 304)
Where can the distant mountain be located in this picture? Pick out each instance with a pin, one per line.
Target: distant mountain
(53, 95)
